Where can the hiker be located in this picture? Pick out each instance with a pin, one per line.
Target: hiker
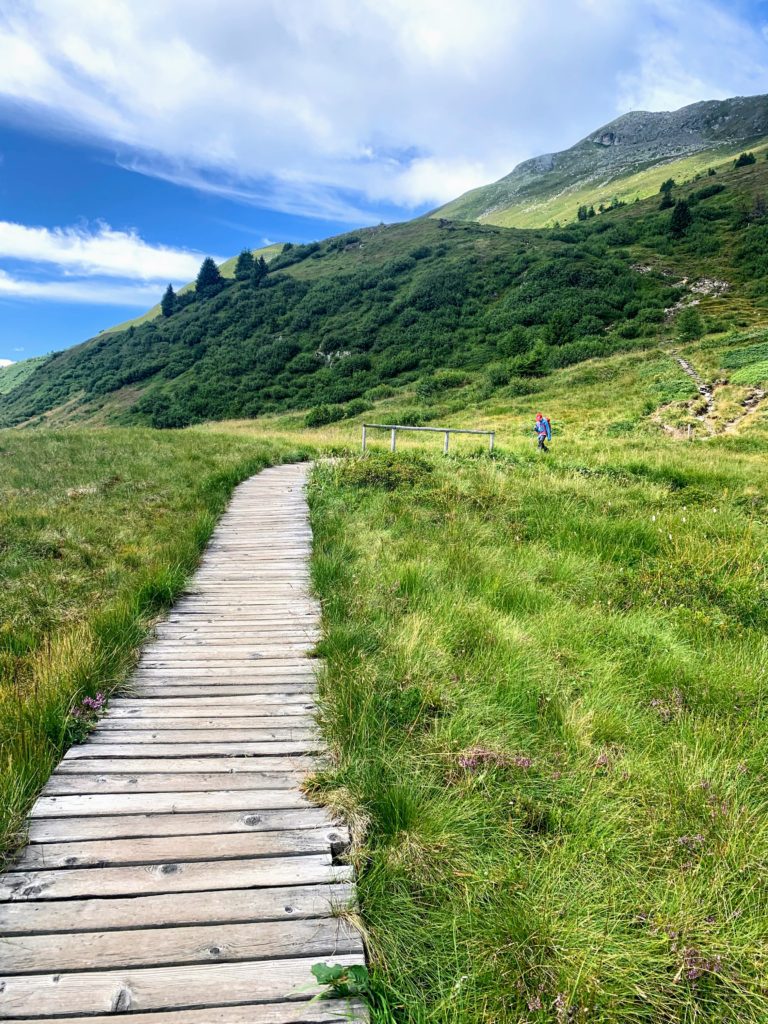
(543, 430)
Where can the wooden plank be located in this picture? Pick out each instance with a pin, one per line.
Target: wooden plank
(48, 830)
(264, 702)
(61, 784)
(209, 718)
(152, 947)
(166, 803)
(171, 876)
(208, 688)
(162, 849)
(160, 988)
(251, 672)
(167, 733)
(326, 1011)
(232, 748)
(232, 766)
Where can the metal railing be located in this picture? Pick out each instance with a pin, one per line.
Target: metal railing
(447, 431)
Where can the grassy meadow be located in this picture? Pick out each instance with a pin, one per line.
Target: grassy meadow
(99, 530)
(545, 673)
(545, 696)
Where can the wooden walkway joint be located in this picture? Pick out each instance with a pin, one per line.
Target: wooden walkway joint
(175, 872)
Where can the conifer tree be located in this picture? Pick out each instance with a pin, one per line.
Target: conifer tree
(259, 270)
(208, 278)
(244, 266)
(681, 219)
(168, 301)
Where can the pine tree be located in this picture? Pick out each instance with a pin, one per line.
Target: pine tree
(168, 301)
(244, 266)
(208, 278)
(591, 212)
(259, 270)
(667, 186)
(681, 219)
(744, 160)
(582, 213)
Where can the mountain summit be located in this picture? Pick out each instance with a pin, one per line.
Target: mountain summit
(625, 158)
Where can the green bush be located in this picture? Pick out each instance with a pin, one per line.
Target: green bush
(321, 415)
(387, 470)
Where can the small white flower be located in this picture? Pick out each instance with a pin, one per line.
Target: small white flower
(653, 519)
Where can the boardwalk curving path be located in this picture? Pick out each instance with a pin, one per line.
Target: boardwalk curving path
(175, 873)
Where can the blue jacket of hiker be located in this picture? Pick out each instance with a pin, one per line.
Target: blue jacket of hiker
(543, 428)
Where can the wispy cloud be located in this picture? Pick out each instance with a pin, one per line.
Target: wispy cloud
(332, 109)
(99, 252)
(91, 292)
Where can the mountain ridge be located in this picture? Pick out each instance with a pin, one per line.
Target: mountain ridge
(624, 147)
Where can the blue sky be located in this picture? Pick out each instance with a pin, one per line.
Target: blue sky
(136, 139)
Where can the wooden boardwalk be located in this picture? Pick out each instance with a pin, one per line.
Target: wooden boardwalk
(175, 872)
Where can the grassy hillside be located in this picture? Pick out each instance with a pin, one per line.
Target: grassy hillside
(99, 532)
(547, 203)
(624, 160)
(13, 375)
(423, 308)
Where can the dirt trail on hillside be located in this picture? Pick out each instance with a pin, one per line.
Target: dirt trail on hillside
(703, 409)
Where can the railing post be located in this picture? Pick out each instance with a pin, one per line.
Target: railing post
(492, 441)
(392, 439)
(364, 438)
(445, 443)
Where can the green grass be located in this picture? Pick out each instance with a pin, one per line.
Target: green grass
(545, 697)
(99, 530)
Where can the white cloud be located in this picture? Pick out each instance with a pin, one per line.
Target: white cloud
(101, 252)
(105, 293)
(334, 108)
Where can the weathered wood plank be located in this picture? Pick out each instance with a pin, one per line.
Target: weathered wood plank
(153, 947)
(326, 1011)
(232, 766)
(176, 750)
(279, 903)
(169, 876)
(48, 830)
(212, 688)
(166, 803)
(161, 988)
(161, 849)
(217, 734)
(61, 784)
(209, 718)
(263, 704)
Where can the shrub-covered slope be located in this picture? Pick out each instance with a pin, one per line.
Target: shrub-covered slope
(332, 321)
(346, 321)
